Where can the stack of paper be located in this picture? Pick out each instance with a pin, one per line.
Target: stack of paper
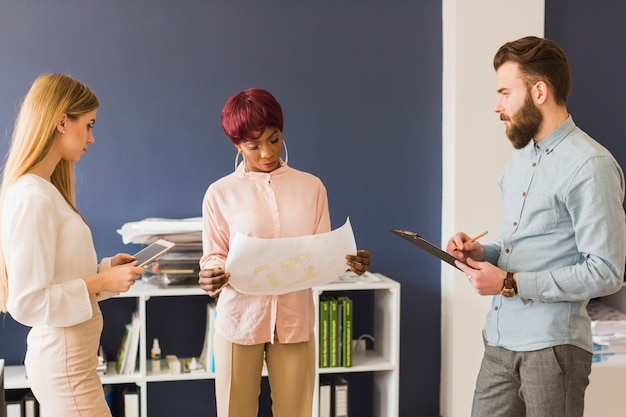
(608, 327)
(175, 230)
(180, 266)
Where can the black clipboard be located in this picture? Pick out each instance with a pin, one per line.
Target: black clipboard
(422, 243)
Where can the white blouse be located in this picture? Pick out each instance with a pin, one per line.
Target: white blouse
(48, 250)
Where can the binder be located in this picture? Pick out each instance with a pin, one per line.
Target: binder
(14, 408)
(339, 332)
(323, 332)
(347, 332)
(30, 404)
(325, 397)
(131, 401)
(339, 397)
(332, 327)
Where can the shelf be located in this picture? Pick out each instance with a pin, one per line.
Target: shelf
(609, 364)
(604, 396)
(15, 377)
(368, 361)
(383, 361)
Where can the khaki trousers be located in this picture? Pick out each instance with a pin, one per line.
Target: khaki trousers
(291, 373)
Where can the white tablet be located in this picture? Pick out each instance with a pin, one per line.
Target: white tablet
(153, 251)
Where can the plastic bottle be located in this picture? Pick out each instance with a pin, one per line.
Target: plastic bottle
(155, 356)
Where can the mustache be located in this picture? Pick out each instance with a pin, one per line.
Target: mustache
(504, 117)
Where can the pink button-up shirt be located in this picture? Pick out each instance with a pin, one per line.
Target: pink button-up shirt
(282, 203)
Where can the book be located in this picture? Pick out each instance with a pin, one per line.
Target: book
(347, 332)
(133, 349)
(129, 348)
(339, 398)
(131, 401)
(325, 397)
(339, 332)
(121, 353)
(323, 331)
(207, 357)
(332, 331)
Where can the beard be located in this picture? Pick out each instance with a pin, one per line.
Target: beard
(524, 124)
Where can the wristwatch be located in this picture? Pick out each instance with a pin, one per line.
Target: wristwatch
(509, 289)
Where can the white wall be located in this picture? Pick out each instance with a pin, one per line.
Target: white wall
(475, 149)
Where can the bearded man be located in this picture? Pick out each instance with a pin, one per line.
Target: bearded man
(562, 241)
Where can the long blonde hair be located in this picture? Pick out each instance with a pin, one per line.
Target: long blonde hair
(49, 98)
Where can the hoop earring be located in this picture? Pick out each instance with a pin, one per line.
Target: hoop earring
(286, 152)
(236, 158)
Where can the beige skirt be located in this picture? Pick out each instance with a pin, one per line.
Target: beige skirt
(61, 369)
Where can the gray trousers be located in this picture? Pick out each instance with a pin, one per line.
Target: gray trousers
(549, 382)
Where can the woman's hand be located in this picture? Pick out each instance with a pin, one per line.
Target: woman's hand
(360, 262)
(121, 259)
(116, 279)
(212, 280)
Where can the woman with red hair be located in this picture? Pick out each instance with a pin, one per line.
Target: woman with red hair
(263, 198)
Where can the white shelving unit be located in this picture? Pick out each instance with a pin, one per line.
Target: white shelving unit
(382, 361)
(605, 395)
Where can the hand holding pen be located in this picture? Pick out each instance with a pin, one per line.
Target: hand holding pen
(472, 239)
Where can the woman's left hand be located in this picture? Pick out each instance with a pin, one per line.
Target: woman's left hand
(360, 262)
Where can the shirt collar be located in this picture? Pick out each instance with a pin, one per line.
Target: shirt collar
(241, 171)
(550, 142)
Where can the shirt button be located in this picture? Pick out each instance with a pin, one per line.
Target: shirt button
(534, 164)
(547, 150)
(514, 223)
(496, 308)
(507, 250)
(524, 194)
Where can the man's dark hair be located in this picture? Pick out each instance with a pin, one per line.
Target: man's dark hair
(539, 59)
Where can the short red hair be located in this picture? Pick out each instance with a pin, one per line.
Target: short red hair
(251, 110)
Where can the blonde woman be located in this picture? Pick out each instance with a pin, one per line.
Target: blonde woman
(50, 279)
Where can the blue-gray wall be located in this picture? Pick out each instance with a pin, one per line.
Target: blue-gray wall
(593, 36)
(360, 85)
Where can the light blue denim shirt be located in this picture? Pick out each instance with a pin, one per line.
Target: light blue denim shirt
(564, 233)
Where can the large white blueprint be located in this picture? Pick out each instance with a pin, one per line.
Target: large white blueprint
(282, 265)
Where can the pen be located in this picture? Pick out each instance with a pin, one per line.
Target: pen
(473, 239)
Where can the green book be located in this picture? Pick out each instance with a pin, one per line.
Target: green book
(339, 332)
(332, 339)
(323, 332)
(347, 330)
(124, 347)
